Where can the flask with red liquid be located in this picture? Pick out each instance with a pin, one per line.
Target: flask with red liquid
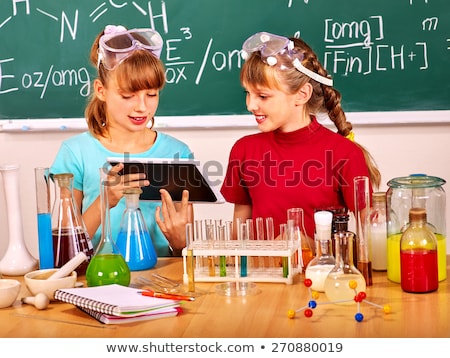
(68, 231)
(418, 255)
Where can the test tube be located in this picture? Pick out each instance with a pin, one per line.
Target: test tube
(198, 236)
(190, 257)
(284, 259)
(44, 218)
(259, 222)
(209, 229)
(250, 236)
(242, 236)
(222, 258)
(228, 235)
(270, 236)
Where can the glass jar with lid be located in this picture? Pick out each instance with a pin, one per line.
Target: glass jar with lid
(415, 191)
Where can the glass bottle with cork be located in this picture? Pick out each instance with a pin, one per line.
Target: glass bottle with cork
(418, 255)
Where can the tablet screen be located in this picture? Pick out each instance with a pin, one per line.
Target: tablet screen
(172, 175)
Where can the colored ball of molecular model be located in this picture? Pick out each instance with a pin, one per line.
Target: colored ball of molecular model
(359, 298)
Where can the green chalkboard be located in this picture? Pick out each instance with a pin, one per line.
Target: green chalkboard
(384, 55)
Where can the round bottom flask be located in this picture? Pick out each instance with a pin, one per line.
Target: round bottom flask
(107, 266)
(344, 281)
(107, 269)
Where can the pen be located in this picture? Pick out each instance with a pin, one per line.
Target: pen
(166, 295)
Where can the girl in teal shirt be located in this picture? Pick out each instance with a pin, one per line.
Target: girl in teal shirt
(120, 118)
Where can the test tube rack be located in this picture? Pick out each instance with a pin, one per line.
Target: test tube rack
(264, 261)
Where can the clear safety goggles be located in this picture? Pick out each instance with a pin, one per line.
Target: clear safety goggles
(270, 45)
(116, 47)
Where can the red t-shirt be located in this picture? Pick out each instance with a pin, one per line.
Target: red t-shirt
(311, 168)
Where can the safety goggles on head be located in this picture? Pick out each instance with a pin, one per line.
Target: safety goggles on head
(116, 46)
(270, 45)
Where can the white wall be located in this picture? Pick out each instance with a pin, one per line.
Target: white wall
(399, 150)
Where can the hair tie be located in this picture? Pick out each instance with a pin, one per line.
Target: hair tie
(351, 136)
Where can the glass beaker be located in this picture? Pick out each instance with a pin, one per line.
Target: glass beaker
(44, 217)
(108, 265)
(68, 231)
(297, 232)
(134, 241)
(415, 191)
(321, 265)
(338, 282)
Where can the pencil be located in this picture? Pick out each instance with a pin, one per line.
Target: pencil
(166, 295)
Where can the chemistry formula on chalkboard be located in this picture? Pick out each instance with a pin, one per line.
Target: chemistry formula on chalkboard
(383, 56)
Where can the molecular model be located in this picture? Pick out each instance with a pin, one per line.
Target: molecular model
(314, 295)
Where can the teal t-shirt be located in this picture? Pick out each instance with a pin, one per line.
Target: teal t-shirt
(83, 156)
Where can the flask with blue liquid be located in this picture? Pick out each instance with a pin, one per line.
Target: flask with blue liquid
(134, 241)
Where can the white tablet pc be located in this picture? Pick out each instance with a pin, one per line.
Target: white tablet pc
(174, 175)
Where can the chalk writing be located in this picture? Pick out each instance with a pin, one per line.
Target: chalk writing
(46, 55)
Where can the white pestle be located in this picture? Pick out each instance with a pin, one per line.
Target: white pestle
(40, 301)
(70, 265)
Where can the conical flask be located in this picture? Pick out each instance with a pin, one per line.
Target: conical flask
(17, 259)
(68, 231)
(133, 240)
(108, 265)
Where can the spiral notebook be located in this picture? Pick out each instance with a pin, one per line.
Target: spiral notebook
(114, 300)
(156, 314)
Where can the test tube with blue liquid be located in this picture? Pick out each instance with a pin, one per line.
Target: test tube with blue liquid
(44, 217)
(242, 236)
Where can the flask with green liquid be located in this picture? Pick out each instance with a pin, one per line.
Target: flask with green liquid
(108, 265)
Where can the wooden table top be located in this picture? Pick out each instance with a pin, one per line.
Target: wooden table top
(255, 316)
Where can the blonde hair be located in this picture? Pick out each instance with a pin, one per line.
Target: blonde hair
(324, 99)
(140, 71)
